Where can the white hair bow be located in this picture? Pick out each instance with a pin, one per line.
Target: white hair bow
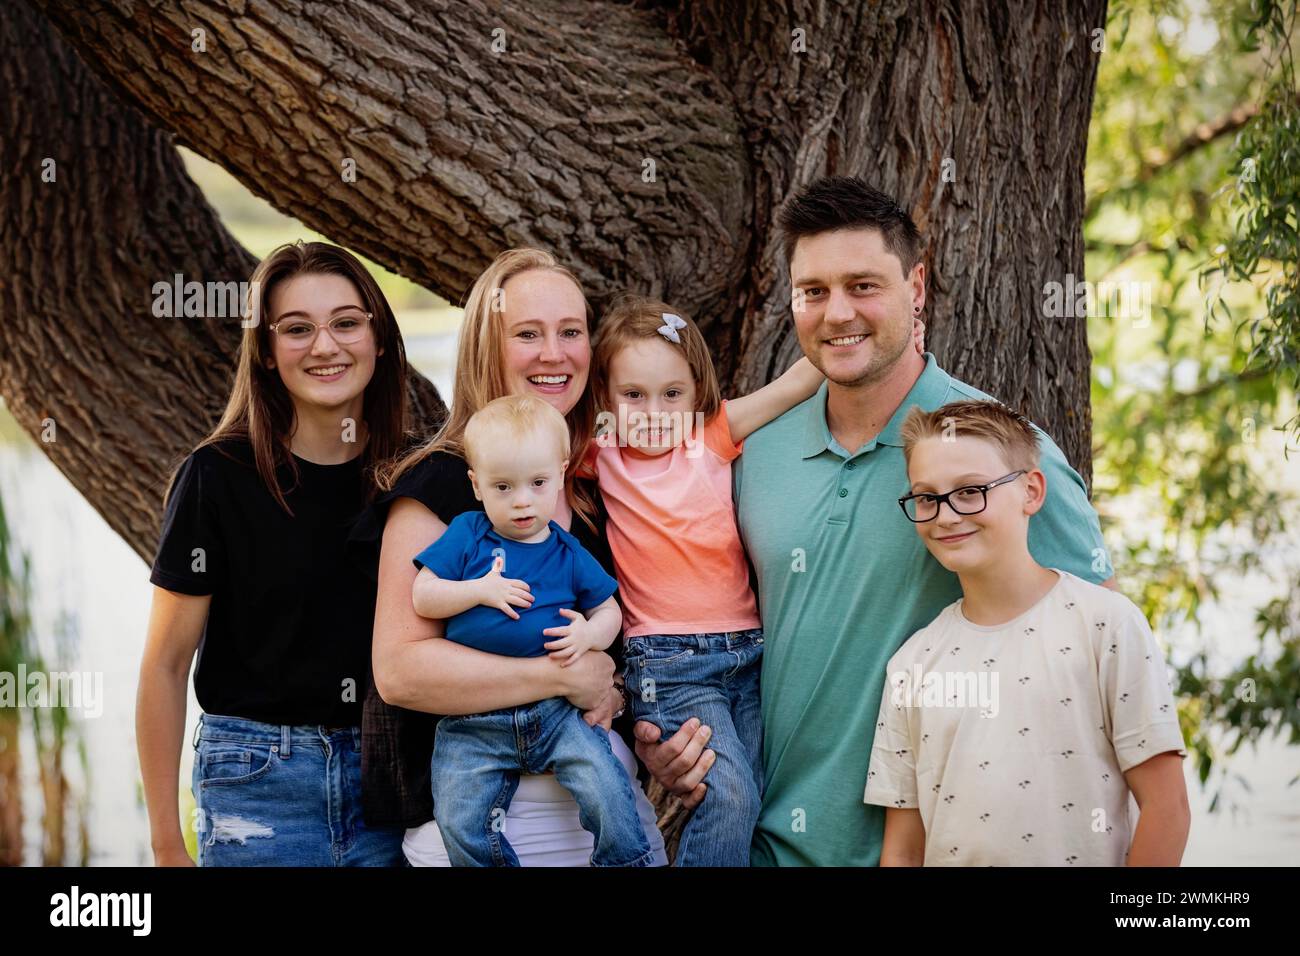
(671, 324)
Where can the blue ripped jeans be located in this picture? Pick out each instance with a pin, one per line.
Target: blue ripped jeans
(477, 760)
(715, 677)
(280, 795)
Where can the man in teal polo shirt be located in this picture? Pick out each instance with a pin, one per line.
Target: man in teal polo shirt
(843, 579)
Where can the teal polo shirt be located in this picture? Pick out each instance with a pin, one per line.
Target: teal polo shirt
(843, 581)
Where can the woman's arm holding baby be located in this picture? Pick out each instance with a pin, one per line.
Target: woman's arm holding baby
(1164, 817)
(441, 676)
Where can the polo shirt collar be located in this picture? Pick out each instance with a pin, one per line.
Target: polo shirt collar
(816, 436)
(928, 391)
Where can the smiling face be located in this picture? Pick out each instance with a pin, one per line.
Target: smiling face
(547, 349)
(653, 391)
(321, 372)
(974, 543)
(857, 304)
(519, 483)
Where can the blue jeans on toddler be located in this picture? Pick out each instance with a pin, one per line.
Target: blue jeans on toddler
(477, 760)
(715, 677)
(283, 795)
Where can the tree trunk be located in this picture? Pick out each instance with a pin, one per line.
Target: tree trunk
(648, 146)
(114, 395)
(474, 127)
(975, 116)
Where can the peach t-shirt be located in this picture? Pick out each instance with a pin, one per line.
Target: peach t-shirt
(672, 530)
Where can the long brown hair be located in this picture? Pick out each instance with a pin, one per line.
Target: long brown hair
(481, 376)
(260, 409)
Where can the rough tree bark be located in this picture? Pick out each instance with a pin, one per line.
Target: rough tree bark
(974, 114)
(114, 395)
(461, 151)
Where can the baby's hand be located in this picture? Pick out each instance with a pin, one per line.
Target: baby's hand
(501, 592)
(574, 638)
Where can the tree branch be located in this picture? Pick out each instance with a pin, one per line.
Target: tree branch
(473, 127)
(1209, 388)
(1126, 252)
(1156, 161)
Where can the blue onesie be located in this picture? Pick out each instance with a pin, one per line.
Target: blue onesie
(560, 572)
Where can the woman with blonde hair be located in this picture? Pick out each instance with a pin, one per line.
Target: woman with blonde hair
(527, 331)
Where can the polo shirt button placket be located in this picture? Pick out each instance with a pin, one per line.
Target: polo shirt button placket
(839, 510)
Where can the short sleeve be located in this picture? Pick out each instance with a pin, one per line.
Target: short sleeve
(591, 584)
(190, 550)
(1140, 709)
(439, 482)
(717, 436)
(447, 557)
(891, 773)
(1065, 533)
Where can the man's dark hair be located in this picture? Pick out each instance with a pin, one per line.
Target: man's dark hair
(846, 202)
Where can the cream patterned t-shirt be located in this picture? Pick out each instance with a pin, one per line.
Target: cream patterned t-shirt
(1013, 740)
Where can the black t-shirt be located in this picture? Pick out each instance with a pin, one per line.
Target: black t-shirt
(397, 744)
(287, 640)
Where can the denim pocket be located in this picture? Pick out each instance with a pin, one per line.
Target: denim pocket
(226, 766)
(659, 653)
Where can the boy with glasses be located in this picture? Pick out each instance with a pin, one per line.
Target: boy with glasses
(1014, 726)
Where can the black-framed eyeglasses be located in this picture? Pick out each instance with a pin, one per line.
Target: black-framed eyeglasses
(966, 500)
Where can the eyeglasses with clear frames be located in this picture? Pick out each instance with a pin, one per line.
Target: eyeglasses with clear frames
(346, 328)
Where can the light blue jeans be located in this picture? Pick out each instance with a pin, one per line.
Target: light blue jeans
(280, 795)
(477, 760)
(715, 677)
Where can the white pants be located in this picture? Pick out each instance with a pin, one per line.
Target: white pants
(542, 823)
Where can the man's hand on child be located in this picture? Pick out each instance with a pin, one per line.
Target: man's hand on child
(501, 592)
(574, 638)
(680, 762)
